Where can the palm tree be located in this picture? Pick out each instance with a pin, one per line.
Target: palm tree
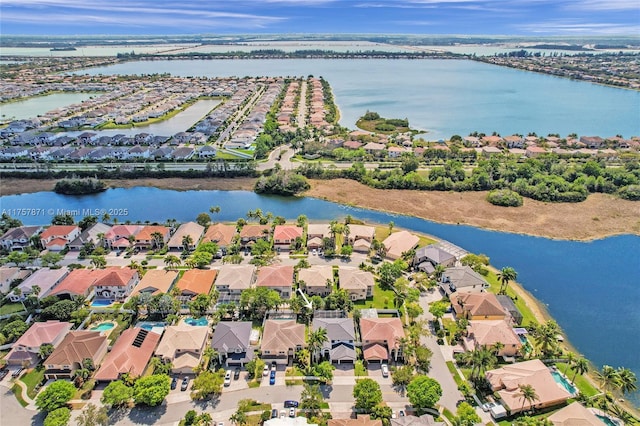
(316, 340)
(438, 270)
(302, 220)
(98, 262)
(505, 275)
(157, 240)
(391, 225)
(172, 261)
(187, 240)
(580, 366)
(346, 231)
(238, 418)
(497, 347)
(214, 209)
(528, 394)
(608, 378)
(480, 359)
(135, 266)
(569, 361)
(546, 336)
(626, 380)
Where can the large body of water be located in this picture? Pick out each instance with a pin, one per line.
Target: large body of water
(39, 105)
(591, 288)
(444, 97)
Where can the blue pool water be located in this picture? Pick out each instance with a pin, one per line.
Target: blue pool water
(606, 420)
(202, 321)
(562, 381)
(151, 325)
(103, 327)
(101, 303)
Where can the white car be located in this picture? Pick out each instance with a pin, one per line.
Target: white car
(265, 371)
(385, 370)
(227, 378)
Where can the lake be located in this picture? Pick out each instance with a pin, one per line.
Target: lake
(39, 105)
(590, 288)
(443, 97)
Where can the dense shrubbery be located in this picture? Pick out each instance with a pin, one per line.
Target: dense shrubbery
(79, 186)
(282, 183)
(504, 197)
(546, 178)
(630, 192)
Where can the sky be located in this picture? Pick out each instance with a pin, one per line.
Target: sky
(472, 17)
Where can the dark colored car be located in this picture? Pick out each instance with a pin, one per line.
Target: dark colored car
(174, 383)
(274, 414)
(272, 377)
(236, 374)
(290, 403)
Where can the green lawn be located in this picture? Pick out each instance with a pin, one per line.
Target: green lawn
(450, 326)
(378, 301)
(31, 379)
(582, 383)
(17, 391)
(454, 373)
(360, 370)
(11, 308)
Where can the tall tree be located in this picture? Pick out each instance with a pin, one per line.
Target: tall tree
(580, 366)
(528, 394)
(367, 394)
(506, 275)
(627, 381)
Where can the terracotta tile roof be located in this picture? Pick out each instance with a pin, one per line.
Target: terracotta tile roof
(157, 280)
(145, 233)
(221, 234)
(488, 333)
(115, 277)
(287, 232)
(355, 279)
(197, 281)
(400, 242)
(574, 415)
(77, 282)
(57, 230)
(275, 276)
(254, 231)
(57, 242)
(41, 333)
(381, 329)
(122, 231)
(316, 275)
(236, 277)
(190, 228)
(282, 335)
(477, 304)
(361, 420)
(130, 354)
(183, 338)
(76, 347)
(375, 351)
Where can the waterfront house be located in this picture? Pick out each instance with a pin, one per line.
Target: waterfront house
(488, 333)
(574, 414)
(190, 230)
(358, 283)
(399, 243)
(341, 338)
(232, 342)
(95, 235)
(45, 279)
(26, 350)
(361, 237)
(130, 354)
(155, 281)
(285, 235)
(232, 280)
(19, 238)
(220, 234)
(196, 281)
(251, 233)
(316, 280)
(316, 233)
(381, 339)
(278, 278)
(360, 420)
(115, 283)
(463, 279)
(506, 381)
(281, 339)
(182, 345)
(477, 306)
(118, 236)
(56, 237)
(427, 258)
(71, 353)
(151, 236)
(507, 304)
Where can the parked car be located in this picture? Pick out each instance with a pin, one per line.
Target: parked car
(385, 370)
(487, 406)
(3, 374)
(272, 377)
(174, 383)
(17, 373)
(227, 378)
(314, 252)
(292, 412)
(274, 414)
(185, 384)
(290, 403)
(401, 413)
(274, 366)
(236, 373)
(220, 423)
(265, 372)
(283, 414)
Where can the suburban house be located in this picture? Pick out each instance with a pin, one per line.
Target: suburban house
(318, 280)
(358, 283)
(116, 283)
(94, 234)
(477, 306)
(462, 279)
(10, 275)
(427, 258)
(146, 237)
(118, 236)
(488, 333)
(220, 234)
(408, 420)
(398, 243)
(507, 304)
(249, 234)
(44, 279)
(27, 348)
(79, 282)
(281, 339)
(130, 354)
(234, 279)
(316, 232)
(506, 382)
(56, 237)
(380, 339)
(71, 353)
(341, 338)
(285, 235)
(155, 281)
(232, 342)
(191, 231)
(360, 420)
(574, 414)
(361, 237)
(195, 282)
(278, 278)
(18, 238)
(182, 345)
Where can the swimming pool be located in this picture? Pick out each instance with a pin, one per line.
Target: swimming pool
(154, 326)
(199, 322)
(103, 327)
(101, 303)
(607, 420)
(562, 381)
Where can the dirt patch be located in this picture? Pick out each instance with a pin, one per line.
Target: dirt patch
(599, 216)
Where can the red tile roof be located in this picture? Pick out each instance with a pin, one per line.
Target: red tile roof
(57, 230)
(130, 354)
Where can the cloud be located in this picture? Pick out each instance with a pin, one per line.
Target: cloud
(575, 27)
(602, 5)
